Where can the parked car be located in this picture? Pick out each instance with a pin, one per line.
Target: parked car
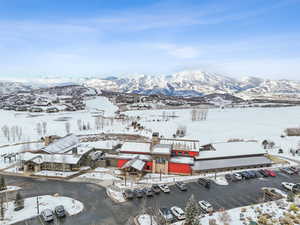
(294, 169)
(237, 176)
(47, 215)
(206, 206)
(204, 182)
(128, 194)
(60, 211)
(271, 173)
(181, 186)
(228, 177)
(148, 192)
(296, 188)
(258, 174)
(264, 173)
(286, 171)
(139, 193)
(251, 174)
(155, 189)
(245, 175)
(164, 188)
(167, 214)
(178, 212)
(288, 186)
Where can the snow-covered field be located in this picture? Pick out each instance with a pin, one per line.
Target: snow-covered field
(71, 206)
(56, 121)
(224, 124)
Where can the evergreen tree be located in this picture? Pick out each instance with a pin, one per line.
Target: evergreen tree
(19, 201)
(192, 212)
(290, 197)
(2, 212)
(2, 184)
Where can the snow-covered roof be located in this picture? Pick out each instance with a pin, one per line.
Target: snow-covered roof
(230, 163)
(107, 144)
(232, 149)
(51, 158)
(132, 156)
(162, 149)
(138, 147)
(135, 163)
(182, 160)
(62, 145)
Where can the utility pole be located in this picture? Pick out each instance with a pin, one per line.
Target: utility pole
(160, 175)
(37, 205)
(125, 178)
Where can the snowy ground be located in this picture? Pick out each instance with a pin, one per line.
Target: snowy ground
(55, 173)
(72, 207)
(238, 216)
(99, 176)
(146, 219)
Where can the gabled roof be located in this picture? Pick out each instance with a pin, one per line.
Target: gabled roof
(135, 163)
(62, 145)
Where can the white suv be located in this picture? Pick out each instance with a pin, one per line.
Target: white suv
(178, 212)
(206, 206)
(164, 188)
(288, 186)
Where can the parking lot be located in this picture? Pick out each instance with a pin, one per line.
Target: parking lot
(101, 210)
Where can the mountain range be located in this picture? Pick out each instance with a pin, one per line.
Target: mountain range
(184, 83)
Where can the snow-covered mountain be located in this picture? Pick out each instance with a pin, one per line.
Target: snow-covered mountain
(194, 83)
(185, 83)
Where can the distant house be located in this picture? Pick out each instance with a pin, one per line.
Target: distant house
(36, 109)
(52, 110)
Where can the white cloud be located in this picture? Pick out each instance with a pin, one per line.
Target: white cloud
(181, 52)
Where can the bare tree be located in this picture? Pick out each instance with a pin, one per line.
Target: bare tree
(44, 125)
(19, 133)
(67, 127)
(13, 133)
(39, 129)
(6, 133)
(79, 124)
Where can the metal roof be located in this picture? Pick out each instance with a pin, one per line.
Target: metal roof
(230, 163)
(162, 149)
(62, 145)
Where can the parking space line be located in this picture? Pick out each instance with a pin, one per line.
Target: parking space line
(41, 220)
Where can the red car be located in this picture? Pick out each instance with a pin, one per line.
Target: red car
(271, 173)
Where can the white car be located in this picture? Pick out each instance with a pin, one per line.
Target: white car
(237, 176)
(47, 215)
(206, 206)
(178, 212)
(288, 186)
(164, 188)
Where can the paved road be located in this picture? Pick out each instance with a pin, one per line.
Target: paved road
(99, 210)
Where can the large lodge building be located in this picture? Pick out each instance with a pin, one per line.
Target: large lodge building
(179, 156)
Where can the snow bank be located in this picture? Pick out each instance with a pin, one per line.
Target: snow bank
(72, 207)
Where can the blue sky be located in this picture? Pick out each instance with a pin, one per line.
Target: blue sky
(99, 37)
